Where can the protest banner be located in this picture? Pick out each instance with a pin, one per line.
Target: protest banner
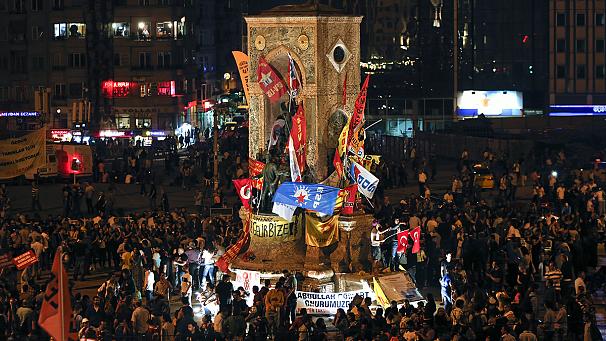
(21, 154)
(5, 261)
(24, 260)
(269, 228)
(318, 303)
(321, 233)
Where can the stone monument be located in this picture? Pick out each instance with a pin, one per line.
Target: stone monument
(325, 46)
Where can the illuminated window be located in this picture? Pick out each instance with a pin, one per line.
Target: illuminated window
(123, 122)
(164, 30)
(181, 28)
(143, 122)
(143, 30)
(77, 30)
(121, 29)
(60, 31)
(166, 88)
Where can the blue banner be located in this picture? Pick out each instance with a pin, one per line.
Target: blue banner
(319, 198)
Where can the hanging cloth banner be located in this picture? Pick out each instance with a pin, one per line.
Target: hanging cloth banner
(269, 228)
(297, 144)
(242, 62)
(22, 154)
(243, 188)
(350, 199)
(321, 233)
(355, 126)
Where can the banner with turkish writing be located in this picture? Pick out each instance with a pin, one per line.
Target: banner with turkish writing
(269, 81)
(24, 260)
(402, 241)
(244, 189)
(415, 234)
(350, 199)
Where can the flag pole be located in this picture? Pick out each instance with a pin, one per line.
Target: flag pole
(61, 294)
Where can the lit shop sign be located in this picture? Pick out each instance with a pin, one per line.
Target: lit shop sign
(59, 133)
(155, 133)
(114, 133)
(19, 114)
(112, 89)
(473, 103)
(577, 110)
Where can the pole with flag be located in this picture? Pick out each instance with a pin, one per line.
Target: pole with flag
(56, 310)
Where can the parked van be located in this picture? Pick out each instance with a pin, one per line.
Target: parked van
(49, 170)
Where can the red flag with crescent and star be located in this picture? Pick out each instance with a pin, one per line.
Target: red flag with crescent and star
(402, 241)
(269, 81)
(415, 234)
(244, 189)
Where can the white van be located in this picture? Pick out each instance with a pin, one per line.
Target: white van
(49, 169)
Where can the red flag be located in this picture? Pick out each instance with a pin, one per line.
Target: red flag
(269, 81)
(244, 189)
(336, 161)
(296, 144)
(357, 121)
(231, 253)
(416, 238)
(350, 199)
(255, 168)
(57, 300)
(402, 241)
(345, 91)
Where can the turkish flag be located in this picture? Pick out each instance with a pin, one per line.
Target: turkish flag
(269, 81)
(244, 189)
(350, 199)
(402, 241)
(415, 234)
(57, 299)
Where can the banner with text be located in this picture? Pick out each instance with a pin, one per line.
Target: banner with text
(21, 154)
(318, 303)
(274, 229)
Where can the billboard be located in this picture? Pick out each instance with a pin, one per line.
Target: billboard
(504, 103)
(577, 110)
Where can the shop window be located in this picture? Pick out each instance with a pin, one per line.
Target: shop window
(123, 122)
(143, 30)
(166, 88)
(143, 122)
(164, 30)
(121, 29)
(60, 31)
(76, 30)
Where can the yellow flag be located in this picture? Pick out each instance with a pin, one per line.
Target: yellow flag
(242, 63)
(343, 138)
(381, 298)
(321, 233)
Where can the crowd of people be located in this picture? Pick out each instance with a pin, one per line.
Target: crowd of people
(504, 269)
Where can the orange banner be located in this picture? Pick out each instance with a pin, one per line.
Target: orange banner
(242, 63)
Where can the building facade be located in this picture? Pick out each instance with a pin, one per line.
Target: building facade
(576, 53)
(131, 63)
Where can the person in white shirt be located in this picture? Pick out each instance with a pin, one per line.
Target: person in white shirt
(148, 284)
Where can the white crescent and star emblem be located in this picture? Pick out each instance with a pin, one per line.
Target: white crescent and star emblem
(245, 192)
